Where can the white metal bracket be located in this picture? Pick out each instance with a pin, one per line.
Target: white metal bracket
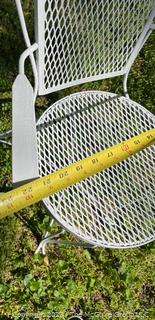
(54, 239)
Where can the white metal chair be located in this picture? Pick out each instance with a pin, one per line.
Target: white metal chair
(78, 41)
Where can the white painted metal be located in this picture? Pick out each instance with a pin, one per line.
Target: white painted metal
(81, 41)
(28, 44)
(116, 207)
(24, 56)
(24, 140)
(24, 143)
(142, 38)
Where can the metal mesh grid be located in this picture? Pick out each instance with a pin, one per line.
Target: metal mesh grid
(116, 207)
(84, 40)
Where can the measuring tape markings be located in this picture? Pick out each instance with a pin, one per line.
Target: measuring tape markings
(35, 191)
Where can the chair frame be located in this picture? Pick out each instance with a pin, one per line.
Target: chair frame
(37, 90)
(29, 53)
(31, 48)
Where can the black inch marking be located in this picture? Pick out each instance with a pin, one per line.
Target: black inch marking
(94, 161)
(150, 136)
(27, 191)
(79, 168)
(47, 182)
(137, 142)
(110, 154)
(63, 175)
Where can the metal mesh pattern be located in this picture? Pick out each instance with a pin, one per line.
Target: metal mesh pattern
(86, 39)
(116, 207)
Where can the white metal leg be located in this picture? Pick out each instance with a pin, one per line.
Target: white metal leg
(54, 239)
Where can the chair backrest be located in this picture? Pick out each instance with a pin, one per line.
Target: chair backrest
(85, 40)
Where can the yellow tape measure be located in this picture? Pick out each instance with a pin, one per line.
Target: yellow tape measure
(35, 191)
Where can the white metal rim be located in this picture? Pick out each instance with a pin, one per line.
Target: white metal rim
(55, 212)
